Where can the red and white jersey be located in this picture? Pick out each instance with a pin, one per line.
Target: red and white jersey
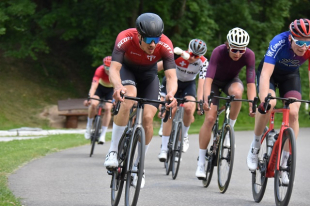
(102, 77)
(127, 51)
(188, 72)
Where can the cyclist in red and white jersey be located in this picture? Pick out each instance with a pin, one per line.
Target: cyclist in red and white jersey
(189, 63)
(226, 62)
(101, 87)
(133, 71)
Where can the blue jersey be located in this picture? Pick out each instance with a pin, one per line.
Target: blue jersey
(282, 56)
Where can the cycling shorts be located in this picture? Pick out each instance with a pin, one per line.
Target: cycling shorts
(224, 86)
(289, 83)
(184, 89)
(104, 92)
(147, 85)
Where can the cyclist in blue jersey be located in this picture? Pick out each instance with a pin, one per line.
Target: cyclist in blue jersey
(280, 68)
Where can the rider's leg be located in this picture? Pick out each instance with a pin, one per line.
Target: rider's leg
(167, 126)
(235, 89)
(105, 121)
(189, 109)
(91, 114)
(294, 123)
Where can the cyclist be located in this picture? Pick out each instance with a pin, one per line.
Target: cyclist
(189, 63)
(101, 87)
(280, 68)
(133, 71)
(226, 62)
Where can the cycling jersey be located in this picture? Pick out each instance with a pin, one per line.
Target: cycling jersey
(188, 72)
(223, 68)
(282, 56)
(127, 51)
(102, 77)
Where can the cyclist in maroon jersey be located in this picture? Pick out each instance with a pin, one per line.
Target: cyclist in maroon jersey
(101, 87)
(226, 62)
(133, 71)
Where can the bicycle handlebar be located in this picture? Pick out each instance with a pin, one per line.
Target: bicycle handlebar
(183, 100)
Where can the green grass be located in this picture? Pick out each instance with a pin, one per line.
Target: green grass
(14, 154)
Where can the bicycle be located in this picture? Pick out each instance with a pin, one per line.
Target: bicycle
(270, 156)
(175, 143)
(96, 127)
(128, 149)
(221, 152)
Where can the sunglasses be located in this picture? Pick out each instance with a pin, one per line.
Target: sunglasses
(301, 43)
(241, 51)
(106, 68)
(194, 55)
(149, 40)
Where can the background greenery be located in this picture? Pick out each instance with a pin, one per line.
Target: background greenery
(50, 49)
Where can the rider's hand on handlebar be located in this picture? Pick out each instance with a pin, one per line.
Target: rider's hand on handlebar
(261, 108)
(251, 113)
(117, 92)
(173, 102)
(206, 106)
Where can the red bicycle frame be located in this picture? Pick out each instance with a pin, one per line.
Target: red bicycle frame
(277, 145)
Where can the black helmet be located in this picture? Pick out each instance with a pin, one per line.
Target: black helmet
(149, 25)
(197, 46)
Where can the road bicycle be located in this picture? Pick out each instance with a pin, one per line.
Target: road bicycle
(128, 150)
(175, 143)
(96, 127)
(221, 152)
(271, 161)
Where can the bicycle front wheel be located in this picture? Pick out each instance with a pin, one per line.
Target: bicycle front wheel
(284, 177)
(177, 151)
(136, 167)
(259, 179)
(225, 161)
(168, 163)
(95, 133)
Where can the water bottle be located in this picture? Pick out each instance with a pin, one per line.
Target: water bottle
(272, 137)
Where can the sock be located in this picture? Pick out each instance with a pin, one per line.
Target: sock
(117, 132)
(202, 156)
(162, 122)
(139, 153)
(232, 122)
(185, 131)
(284, 157)
(89, 122)
(103, 131)
(256, 141)
(164, 143)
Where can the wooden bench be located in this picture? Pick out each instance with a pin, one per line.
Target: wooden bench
(72, 106)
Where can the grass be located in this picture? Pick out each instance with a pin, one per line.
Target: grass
(14, 154)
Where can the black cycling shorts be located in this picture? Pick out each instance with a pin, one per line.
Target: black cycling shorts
(104, 92)
(184, 89)
(147, 85)
(289, 83)
(224, 86)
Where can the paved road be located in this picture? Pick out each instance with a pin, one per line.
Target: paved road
(72, 178)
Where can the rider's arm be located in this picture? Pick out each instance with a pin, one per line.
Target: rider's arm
(160, 66)
(94, 86)
(264, 81)
(115, 77)
(171, 82)
(207, 91)
(200, 89)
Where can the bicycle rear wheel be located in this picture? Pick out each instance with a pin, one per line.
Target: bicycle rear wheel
(282, 188)
(259, 179)
(177, 151)
(135, 172)
(95, 133)
(168, 164)
(225, 161)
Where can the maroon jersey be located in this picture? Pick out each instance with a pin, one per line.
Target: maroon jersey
(127, 51)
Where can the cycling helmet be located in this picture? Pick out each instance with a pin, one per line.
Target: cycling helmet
(149, 25)
(107, 61)
(238, 37)
(197, 46)
(300, 28)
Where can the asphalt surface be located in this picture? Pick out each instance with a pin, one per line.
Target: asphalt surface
(71, 177)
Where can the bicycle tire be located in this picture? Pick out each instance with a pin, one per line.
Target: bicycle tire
(225, 161)
(96, 133)
(259, 179)
(132, 193)
(209, 167)
(168, 164)
(177, 151)
(118, 174)
(283, 192)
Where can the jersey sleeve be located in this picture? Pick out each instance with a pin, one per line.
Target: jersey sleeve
(98, 73)
(168, 54)
(121, 44)
(275, 47)
(250, 67)
(203, 69)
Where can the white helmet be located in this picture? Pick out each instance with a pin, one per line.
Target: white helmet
(238, 37)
